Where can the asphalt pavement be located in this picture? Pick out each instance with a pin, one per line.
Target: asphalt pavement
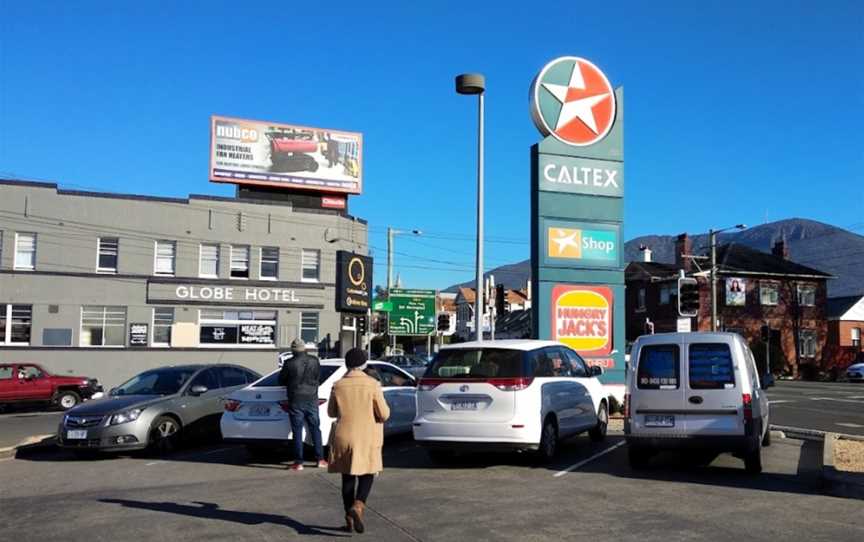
(15, 427)
(588, 493)
(836, 407)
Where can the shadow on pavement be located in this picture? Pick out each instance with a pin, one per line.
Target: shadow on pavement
(700, 468)
(209, 510)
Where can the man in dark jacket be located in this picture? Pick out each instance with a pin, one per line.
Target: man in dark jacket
(299, 375)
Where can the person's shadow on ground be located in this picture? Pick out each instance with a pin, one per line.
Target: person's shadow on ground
(211, 510)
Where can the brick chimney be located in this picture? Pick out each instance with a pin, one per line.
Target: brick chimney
(683, 246)
(781, 249)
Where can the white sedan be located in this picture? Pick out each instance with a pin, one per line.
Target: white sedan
(257, 415)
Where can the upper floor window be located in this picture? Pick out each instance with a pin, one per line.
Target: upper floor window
(15, 323)
(806, 295)
(856, 337)
(666, 292)
(107, 260)
(166, 253)
(640, 299)
(208, 265)
(25, 251)
(269, 263)
(311, 264)
(240, 262)
(768, 293)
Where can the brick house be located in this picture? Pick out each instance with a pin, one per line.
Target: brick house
(845, 326)
(753, 289)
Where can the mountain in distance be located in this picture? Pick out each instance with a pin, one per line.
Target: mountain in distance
(814, 244)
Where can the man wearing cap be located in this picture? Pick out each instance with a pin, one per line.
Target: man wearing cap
(299, 375)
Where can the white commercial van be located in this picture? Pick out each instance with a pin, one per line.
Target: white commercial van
(695, 390)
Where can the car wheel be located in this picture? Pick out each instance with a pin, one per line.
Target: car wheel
(67, 399)
(639, 457)
(598, 432)
(753, 460)
(164, 435)
(548, 441)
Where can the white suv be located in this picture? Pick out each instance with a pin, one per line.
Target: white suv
(519, 394)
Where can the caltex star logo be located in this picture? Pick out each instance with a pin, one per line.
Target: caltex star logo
(573, 100)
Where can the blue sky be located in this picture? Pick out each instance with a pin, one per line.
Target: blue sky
(736, 111)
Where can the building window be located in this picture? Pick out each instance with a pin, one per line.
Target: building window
(25, 251)
(163, 319)
(239, 262)
(107, 259)
(103, 325)
(15, 324)
(269, 263)
(311, 264)
(640, 299)
(208, 261)
(1, 246)
(856, 337)
(252, 329)
(166, 252)
(666, 293)
(807, 343)
(309, 327)
(768, 293)
(806, 295)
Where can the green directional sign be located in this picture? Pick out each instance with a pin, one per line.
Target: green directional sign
(413, 312)
(382, 306)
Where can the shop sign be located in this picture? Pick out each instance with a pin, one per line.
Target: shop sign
(581, 175)
(583, 243)
(138, 334)
(181, 292)
(353, 282)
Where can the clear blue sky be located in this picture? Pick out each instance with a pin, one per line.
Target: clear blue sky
(736, 111)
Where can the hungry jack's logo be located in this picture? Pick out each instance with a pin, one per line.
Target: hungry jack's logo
(573, 100)
(582, 318)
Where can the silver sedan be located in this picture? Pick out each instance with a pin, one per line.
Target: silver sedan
(154, 409)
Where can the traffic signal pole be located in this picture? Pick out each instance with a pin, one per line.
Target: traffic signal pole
(713, 236)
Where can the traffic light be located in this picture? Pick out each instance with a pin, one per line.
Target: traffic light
(443, 321)
(500, 297)
(362, 324)
(688, 297)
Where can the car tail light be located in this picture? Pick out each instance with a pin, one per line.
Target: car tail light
(626, 405)
(231, 405)
(511, 384)
(748, 407)
(285, 405)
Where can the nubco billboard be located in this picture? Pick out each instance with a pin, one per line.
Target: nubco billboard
(286, 156)
(577, 212)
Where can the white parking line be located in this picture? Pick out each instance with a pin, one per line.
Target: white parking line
(590, 459)
(848, 424)
(858, 402)
(778, 401)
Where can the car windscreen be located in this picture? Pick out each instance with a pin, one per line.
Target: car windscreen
(273, 379)
(478, 363)
(157, 382)
(658, 367)
(711, 366)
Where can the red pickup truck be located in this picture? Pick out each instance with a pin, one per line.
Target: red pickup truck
(30, 383)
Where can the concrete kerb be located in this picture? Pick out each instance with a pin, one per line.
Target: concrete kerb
(840, 483)
(30, 444)
(798, 433)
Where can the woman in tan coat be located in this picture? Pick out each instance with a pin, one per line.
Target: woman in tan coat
(357, 402)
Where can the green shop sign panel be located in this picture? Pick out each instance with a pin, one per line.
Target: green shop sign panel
(413, 312)
(569, 243)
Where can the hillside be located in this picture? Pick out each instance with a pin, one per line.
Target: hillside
(814, 244)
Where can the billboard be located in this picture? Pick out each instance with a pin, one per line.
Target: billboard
(251, 152)
(353, 282)
(582, 318)
(736, 292)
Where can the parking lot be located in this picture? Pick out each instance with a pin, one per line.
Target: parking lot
(823, 406)
(589, 492)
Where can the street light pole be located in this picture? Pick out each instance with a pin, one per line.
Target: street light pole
(391, 236)
(475, 83)
(712, 233)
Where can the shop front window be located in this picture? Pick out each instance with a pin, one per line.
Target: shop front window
(15, 324)
(103, 326)
(237, 328)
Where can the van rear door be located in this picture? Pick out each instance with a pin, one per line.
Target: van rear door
(714, 398)
(657, 401)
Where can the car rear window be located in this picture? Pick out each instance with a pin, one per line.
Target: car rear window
(478, 363)
(659, 367)
(711, 367)
(273, 379)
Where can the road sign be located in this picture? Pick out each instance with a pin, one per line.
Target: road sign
(413, 312)
(684, 325)
(382, 306)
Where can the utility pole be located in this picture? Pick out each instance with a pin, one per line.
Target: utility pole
(391, 235)
(713, 237)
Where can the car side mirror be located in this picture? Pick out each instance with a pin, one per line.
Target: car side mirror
(198, 390)
(596, 370)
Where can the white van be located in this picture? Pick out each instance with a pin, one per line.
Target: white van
(699, 390)
(510, 394)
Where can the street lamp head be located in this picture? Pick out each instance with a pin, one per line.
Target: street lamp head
(470, 83)
(741, 226)
(417, 232)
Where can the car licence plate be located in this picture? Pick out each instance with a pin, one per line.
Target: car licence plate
(259, 411)
(79, 434)
(659, 421)
(463, 405)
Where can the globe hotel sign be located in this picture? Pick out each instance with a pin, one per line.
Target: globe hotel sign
(577, 211)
